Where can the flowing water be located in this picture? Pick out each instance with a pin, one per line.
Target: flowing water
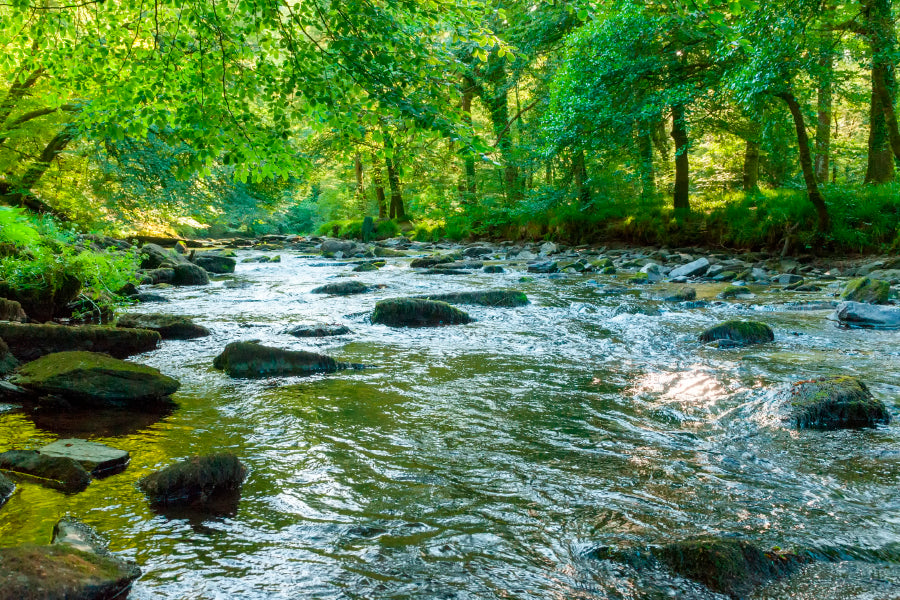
(488, 460)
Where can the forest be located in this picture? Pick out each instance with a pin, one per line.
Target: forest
(736, 124)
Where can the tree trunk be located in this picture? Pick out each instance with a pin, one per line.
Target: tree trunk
(467, 187)
(579, 172)
(682, 173)
(379, 188)
(880, 162)
(498, 107)
(880, 29)
(886, 99)
(751, 159)
(645, 150)
(824, 102)
(806, 163)
(360, 188)
(397, 211)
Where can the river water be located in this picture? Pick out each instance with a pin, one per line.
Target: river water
(489, 460)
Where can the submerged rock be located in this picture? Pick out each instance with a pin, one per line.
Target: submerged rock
(857, 314)
(505, 298)
(56, 472)
(195, 480)
(380, 251)
(835, 403)
(316, 331)
(215, 263)
(93, 378)
(99, 460)
(169, 327)
(28, 341)
(365, 267)
(865, 289)
(249, 360)
(739, 333)
(342, 288)
(416, 312)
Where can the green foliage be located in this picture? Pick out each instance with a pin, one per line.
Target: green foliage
(352, 229)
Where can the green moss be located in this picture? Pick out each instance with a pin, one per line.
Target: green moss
(28, 341)
(835, 403)
(865, 289)
(60, 571)
(639, 278)
(194, 479)
(416, 312)
(388, 252)
(496, 298)
(741, 333)
(249, 360)
(342, 288)
(733, 291)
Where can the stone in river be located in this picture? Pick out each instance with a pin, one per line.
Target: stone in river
(835, 403)
(342, 288)
(868, 316)
(96, 458)
(56, 472)
(169, 327)
(252, 360)
(195, 480)
(692, 269)
(739, 333)
(416, 312)
(865, 289)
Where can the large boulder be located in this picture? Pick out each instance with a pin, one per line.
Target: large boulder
(93, 378)
(692, 269)
(215, 263)
(835, 403)
(56, 472)
(505, 298)
(189, 274)
(738, 333)
(416, 312)
(342, 288)
(859, 314)
(195, 480)
(250, 360)
(157, 276)
(76, 566)
(335, 246)
(866, 289)
(10, 310)
(153, 256)
(29, 341)
(169, 327)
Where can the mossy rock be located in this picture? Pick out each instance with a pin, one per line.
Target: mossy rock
(639, 278)
(835, 403)
(195, 480)
(62, 572)
(733, 291)
(189, 274)
(43, 301)
(727, 566)
(365, 268)
(169, 327)
(496, 298)
(251, 360)
(317, 331)
(56, 472)
(388, 252)
(684, 294)
(430, 261)
(94, 378)
(342, 288)
(739, 333)
(10, 310)
(865, 289)
(608, 271)
(494, 269)
(416, 312)
(215, 263)
(602, 263)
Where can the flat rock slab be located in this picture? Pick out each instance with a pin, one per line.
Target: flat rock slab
(96, 458)
(59, 473)
(30, 341)
(92, 378)
(169, 327)
(864, 315)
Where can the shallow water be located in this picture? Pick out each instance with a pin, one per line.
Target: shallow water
(488, 460)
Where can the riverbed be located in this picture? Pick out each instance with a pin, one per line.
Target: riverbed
(489, 460)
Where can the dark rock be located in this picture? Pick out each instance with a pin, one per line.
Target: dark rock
(388, 252)
(97, 459)
(7, 488)
(416, 312)
(148, 297)
(547, 266)
(189, 274)
(315, 331)
(476, 251)
(157, 276)
(494, 269)
(11, 310)
(733, 291)
(94, 378)
(8, 362)
(28, 341)
(859, 314)
(342, 288)
(154, 256)
(334, 246)
(835, 403)
(44, 301)
(366, 267)
(685, 294)
(864, 289)
(692, 269)
(430, 261)
(739, 333)
(250, 360)
(463, 265)
(506, 298)
(59, 473)
(215, 263)
(169, 327)
(63, 572)
(444, 271)
(180, 248)
(194, 480)
(789, 279)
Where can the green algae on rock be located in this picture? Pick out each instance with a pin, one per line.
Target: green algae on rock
(194, 480)
(504, 298)
(739, 333)
(29, 341)
(416, 312)
(251, 360)
(342, 288)
(835, 403)
(866, 289)
(94, 378)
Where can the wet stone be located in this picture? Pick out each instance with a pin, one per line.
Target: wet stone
(7, 488)
(195, 480)
(55, 472)
(342, 288)
(96, 458)
(738, 333)
(867, 316)
(835, 403)
(416, 312)
(866, 289)
(169, 327)
(251, 360)
(496, 298)
(316, 331)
